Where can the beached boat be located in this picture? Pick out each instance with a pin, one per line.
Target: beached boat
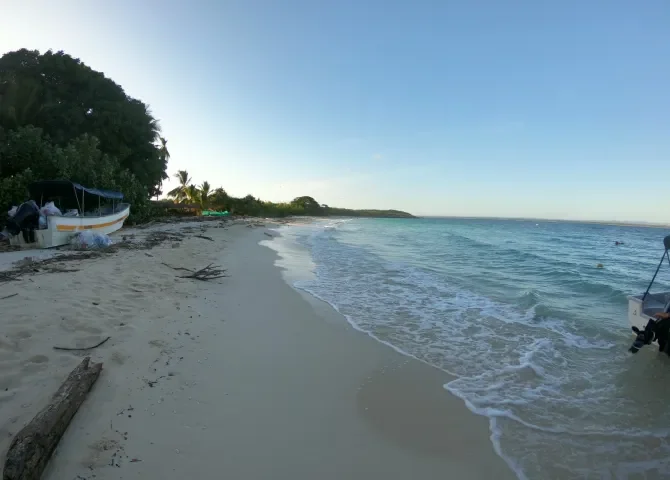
(106, 214)
(643, 308)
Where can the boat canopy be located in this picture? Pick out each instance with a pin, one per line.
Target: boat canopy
(68, 190)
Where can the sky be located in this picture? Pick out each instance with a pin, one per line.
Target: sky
(518, 108)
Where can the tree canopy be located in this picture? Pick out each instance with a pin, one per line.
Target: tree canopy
(308, 204)
(61, 119)
(191, 195)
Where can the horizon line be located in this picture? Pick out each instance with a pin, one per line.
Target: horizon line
(622, 223)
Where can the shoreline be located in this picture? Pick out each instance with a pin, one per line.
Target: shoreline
(313, 297)
(292, 279)
(246, 378)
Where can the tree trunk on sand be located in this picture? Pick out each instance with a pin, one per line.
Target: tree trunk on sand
(32, 447)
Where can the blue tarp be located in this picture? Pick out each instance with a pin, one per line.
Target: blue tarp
(100, 193)
(64, 188)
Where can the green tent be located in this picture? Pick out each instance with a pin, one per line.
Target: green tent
(213, 213)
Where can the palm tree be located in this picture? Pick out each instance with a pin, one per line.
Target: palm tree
(165, 156)
(192, 194)
(180, 193)
(219, 198)
(204, 194)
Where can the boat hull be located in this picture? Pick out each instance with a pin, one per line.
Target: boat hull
(60, 230)
(639, 312)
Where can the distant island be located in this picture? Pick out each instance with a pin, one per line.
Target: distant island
(345, 212)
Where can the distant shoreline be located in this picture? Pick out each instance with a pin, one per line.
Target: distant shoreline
(553, 220)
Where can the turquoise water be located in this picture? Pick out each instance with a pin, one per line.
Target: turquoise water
(518, 311)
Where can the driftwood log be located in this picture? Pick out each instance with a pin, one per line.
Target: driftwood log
(32, 447)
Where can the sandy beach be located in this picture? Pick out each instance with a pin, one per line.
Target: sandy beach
(241, 377)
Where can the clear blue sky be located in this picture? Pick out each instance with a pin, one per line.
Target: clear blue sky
(557, 109)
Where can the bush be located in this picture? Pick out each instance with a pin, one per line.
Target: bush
(29, 155)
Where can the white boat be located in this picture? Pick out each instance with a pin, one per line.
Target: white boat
(642, 308)
(59, 230)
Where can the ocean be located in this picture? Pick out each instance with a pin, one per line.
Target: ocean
(518, 311)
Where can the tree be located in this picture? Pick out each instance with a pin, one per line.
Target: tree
(165, 156)
(19, 103)
(28, 154)
(67, 99)
(204, 194)
(219, 199)
(193, 194)
(180, 193)
(310, 205)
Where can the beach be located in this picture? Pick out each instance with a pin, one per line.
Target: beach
(239, 377)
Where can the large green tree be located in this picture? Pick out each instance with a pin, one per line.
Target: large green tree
(308, 204)
(67, 99)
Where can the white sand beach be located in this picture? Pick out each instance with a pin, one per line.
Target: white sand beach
(242, 377)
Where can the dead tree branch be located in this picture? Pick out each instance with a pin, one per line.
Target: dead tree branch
(208, 273)
(177, 268)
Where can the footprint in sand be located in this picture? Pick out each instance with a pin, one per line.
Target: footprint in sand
(9, 382)
(119, 358)
(6, 346)
(101, 452)
(123, 309)
(139, 285)
(35, 364)
(38, 359)
(21, 335)
(72, 325)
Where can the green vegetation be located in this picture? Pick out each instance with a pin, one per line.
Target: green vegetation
(194, 198)
(59, 119)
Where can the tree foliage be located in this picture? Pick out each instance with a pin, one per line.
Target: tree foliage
(308, 204)
(204, 194)
(180, 192)
(250, 205)
(28, 155)
(61, 119)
